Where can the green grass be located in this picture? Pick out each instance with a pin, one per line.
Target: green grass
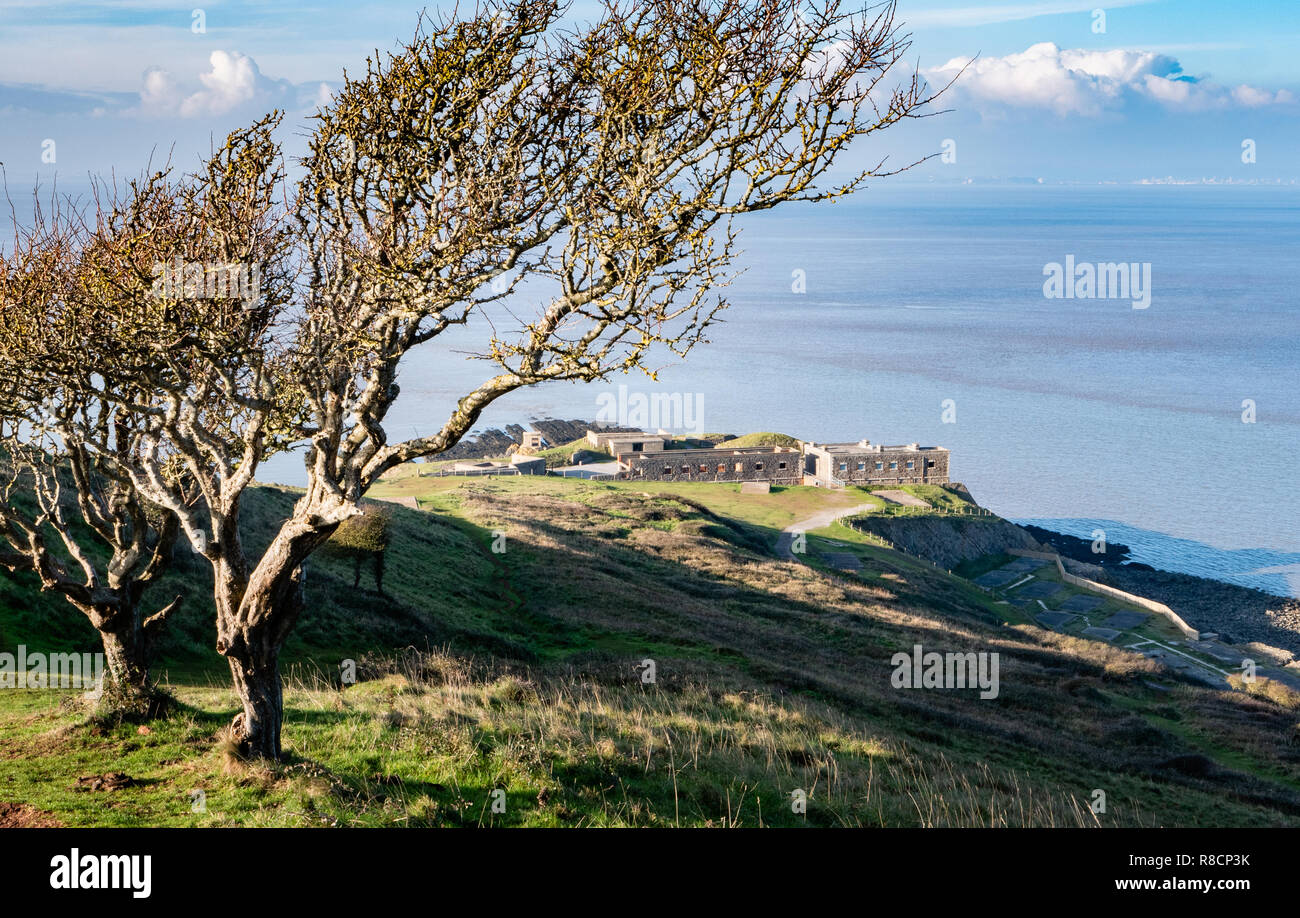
(939, 497)
(977, 567)
(571, 453)
(941, 500)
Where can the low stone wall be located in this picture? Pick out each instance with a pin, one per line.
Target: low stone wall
(1239, 614)
(1093, 586)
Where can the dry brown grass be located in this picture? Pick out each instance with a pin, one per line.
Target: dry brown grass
(699, 750)
(1277, 692)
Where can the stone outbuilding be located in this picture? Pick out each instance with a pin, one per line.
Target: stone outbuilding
(528, 465)
(625, 441)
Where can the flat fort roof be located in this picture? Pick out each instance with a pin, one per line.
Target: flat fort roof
(725, 451)
(877, 448)
(589, 469)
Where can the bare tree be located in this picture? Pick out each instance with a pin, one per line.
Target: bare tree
(562, 197)
(65, 516)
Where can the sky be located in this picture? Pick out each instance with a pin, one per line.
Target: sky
(1057, 90)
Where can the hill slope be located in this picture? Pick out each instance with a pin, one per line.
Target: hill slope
(525, 670)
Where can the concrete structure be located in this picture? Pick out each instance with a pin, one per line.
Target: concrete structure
(518, 465)
(591, 470)
(532, 440)
(625, 441)
(779, 465)
(1093, 586)
(528, 465)
(479, 468)
(864, 463)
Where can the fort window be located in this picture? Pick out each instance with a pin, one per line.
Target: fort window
(862, 466)
(740, 466)
(758, 466)
(844, 466)
(686, 470)
(880, 466)
(893, 466)
(929, 464)
(636, 447)
(722, 468)
(911, 464)
(668, 469)
(704, 468)
(780, 465)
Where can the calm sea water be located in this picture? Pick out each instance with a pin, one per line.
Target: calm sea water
(1081, 414)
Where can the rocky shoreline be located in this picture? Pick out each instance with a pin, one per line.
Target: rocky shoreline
(494, 443)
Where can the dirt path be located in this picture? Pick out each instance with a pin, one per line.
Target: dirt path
(817, 521)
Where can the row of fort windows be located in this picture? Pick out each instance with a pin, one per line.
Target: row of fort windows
(722, 468)
(880, 466)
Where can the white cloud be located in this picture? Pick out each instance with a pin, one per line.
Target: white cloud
(159, 93)
(232, 82)
(1251, 97)
(1084, 82)
(324, 95)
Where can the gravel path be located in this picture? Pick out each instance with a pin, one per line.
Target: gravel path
(817, 521)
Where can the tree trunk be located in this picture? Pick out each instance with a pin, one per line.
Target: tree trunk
(255, 616)
(269, 609)
(125, 667)
(126, 688)
(257, 682)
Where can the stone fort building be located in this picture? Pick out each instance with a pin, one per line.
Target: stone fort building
(642, 456)
(775, 464)
(865, 463)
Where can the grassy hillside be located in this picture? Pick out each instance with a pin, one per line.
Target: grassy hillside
(763, 438)
(572, 453)
(523, 671)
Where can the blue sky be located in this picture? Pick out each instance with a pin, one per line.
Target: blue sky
(1169, 88)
